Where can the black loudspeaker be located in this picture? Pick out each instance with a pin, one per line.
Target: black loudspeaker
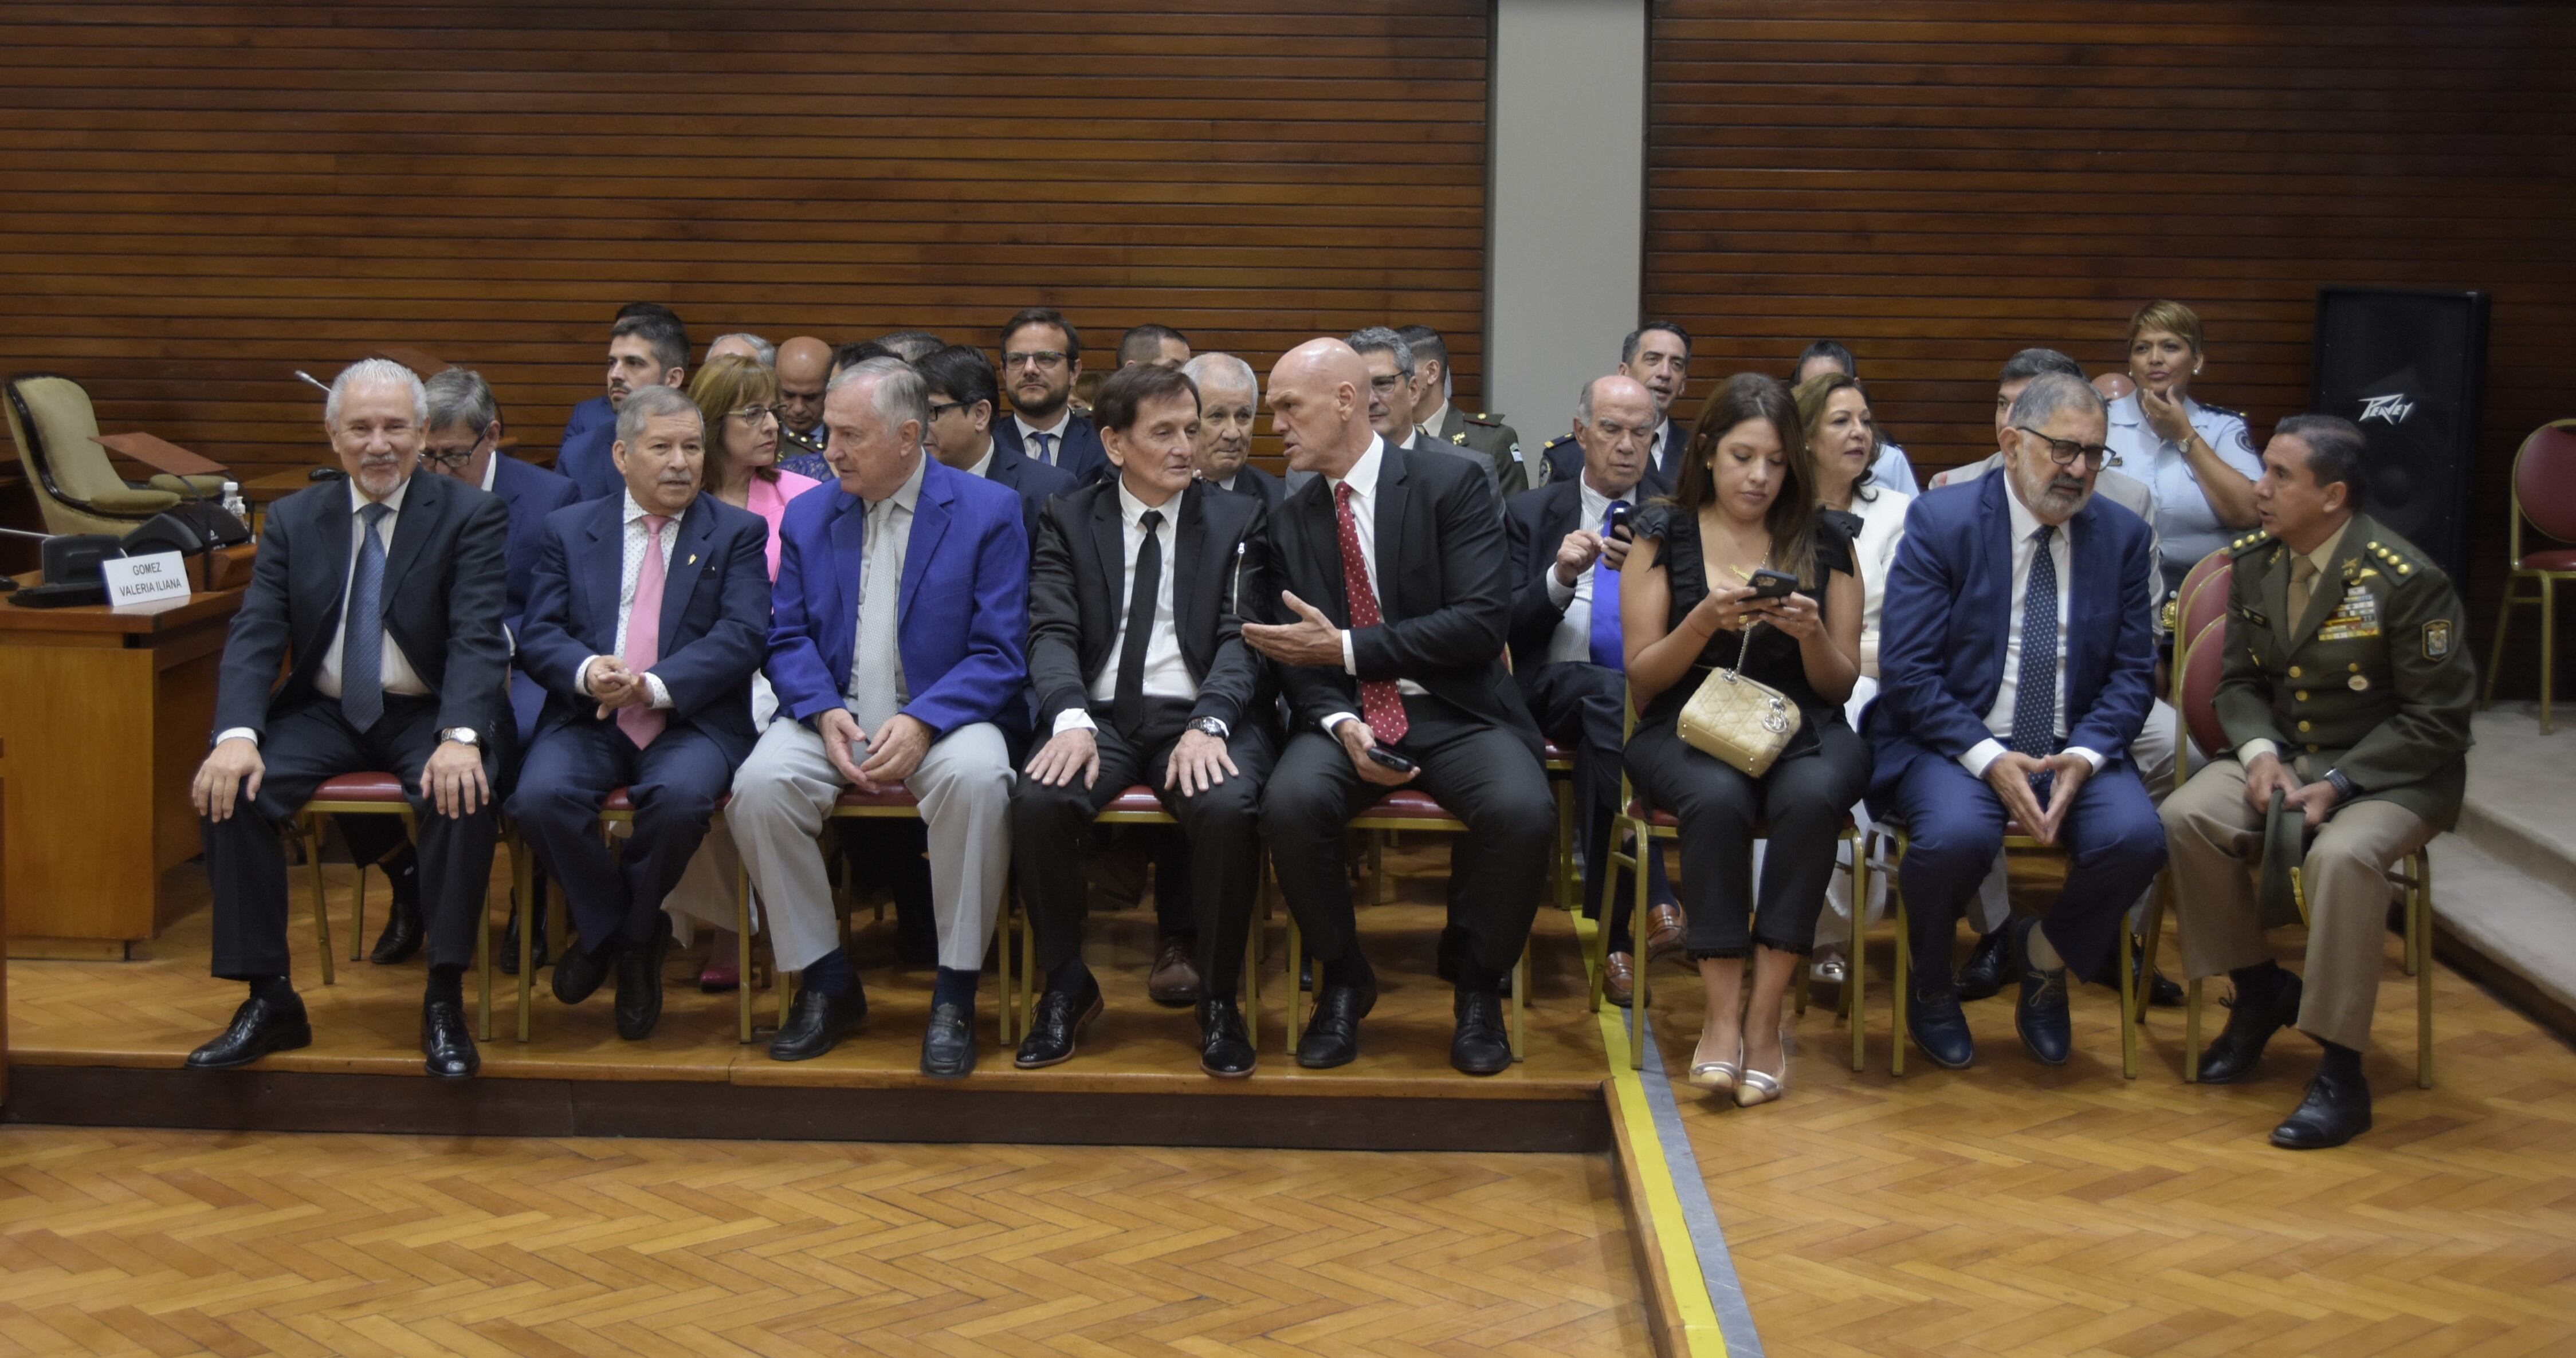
(2410, 368)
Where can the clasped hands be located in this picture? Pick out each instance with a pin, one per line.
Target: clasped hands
(2010, 774)
(2267, 774)
(893, 752)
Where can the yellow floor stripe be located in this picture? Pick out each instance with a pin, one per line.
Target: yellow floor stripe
(1700, 1333)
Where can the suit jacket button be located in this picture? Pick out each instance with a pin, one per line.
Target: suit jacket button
(2302, 695)
(2303, 726)
(2294, 671)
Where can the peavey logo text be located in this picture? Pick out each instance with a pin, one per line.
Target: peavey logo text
(2392, 409)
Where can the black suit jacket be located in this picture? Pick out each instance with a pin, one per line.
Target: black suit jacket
(1077, 590)
(532, 493)
(1538, 520)
(1080, 455)
(1565, 464)
(1261, 485)
(714, 623)
(1444, 591)
(446, 585)
(1035, 481)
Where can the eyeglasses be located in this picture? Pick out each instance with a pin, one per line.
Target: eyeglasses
(939, 408)
(1389, 382)
(1044, 358)
(2064, 452)
(450, 458)
(754, 414)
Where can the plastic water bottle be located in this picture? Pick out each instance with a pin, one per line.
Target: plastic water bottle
(233, 501)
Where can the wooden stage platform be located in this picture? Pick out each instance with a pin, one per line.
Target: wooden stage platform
(100, 1043)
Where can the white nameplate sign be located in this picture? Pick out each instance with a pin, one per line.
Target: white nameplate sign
(145, 584)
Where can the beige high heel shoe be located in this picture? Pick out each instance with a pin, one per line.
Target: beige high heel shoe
(1760, 1087)
(1718, 1075)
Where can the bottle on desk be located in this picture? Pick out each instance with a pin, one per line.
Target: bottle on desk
(233, 501)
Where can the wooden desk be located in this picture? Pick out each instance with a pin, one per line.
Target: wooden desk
(104, 725)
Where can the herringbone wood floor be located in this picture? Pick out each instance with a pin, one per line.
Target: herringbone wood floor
(172, 1243)
(2015, 1210)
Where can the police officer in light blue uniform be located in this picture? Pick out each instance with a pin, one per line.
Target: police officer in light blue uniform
(2197, 459)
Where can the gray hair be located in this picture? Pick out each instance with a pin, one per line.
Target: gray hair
(1379, 339)
(460, 396)
(376, 370)
(901, 394)
(645, 403)
(1583, 403)
(761, 349)
(2030, 363)
(2047, 394)
(1226, 368)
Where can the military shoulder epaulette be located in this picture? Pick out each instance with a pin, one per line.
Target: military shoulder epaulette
(1561, 438)
(1484, 418)
(2259, 537)
(2391, 559)
(2222, 410)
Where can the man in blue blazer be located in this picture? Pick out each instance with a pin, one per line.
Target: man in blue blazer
(1042, 358)
(647, 347)
(644, 625)
(2016, 664)
(899, 649)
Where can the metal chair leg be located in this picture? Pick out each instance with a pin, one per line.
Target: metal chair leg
(1641, 1005)
(358, 912)
(1856, 959)
(483, 965)
(321, 911)
(2129, 989)
(2548, 649)
(2495, 652)
(2423, 893)
(523, 887)
(742, 953)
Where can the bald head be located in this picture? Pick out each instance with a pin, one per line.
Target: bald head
(1319, 403)
(1614, 420)
(804, 365)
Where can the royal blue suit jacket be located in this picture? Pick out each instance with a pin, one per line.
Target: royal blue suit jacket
(1079, 455)
(962, 618)
(1948, 613)
(584, 458)
(532, 493)
(1033, 481)
(715, 615)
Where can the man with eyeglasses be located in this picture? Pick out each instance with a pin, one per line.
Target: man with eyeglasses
(463, 442)
(1041, 359)
(1391, 379)
(964, 394)
(2017, 664)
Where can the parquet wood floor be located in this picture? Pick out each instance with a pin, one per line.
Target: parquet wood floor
(2015, 1210)
(135, 1242)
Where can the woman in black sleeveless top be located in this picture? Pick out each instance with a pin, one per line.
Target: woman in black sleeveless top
(1746, 499)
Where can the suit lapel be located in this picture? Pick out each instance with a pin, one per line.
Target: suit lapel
(1321, 520)
(606, 572)
(1994, 564)
(1390, 533)
(930, 514)
(422, 504)
(1189, 543)
(697, 530)
(1109, 547)
(849, 555)
(335, 516)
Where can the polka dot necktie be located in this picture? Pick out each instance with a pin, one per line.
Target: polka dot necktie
(1381, 706)
(2034, 728)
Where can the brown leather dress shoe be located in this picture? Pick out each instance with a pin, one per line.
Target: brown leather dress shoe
(1665, 926)
(1619, 979)
(1174, 982)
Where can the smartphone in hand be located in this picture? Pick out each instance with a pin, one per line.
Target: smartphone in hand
(1389, 759)
(1770, 584)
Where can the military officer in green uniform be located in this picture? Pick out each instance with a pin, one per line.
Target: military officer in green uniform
(2347, 688)
(1486, 435)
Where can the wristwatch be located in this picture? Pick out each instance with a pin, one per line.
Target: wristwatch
(2342, 784)
(1210, 726)
(462, 735)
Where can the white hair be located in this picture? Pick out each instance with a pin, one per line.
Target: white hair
(900, 392)
(761, 349)
(376, 370)
(1226, 368)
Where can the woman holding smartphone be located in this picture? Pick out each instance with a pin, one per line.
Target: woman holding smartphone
(1742, 550)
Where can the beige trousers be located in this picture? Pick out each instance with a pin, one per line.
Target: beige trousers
(2214, 835)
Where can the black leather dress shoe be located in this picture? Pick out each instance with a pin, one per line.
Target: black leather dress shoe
(446, 1041)
(1332, 1036)
(537, 952)
(258, 1028)
(2250, 1026)
(948, 1047)
(1933, 1018)
(817, 1022)
(1984, 973)
(639, 983)
(401, 937)
(1225, 1049)
(1483, 1045)
(2040, 1016)
(1062, 1015)
(2336, 1110)
(2160, 991)
(580, 971)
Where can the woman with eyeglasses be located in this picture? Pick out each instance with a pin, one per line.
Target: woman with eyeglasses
(2197, 458)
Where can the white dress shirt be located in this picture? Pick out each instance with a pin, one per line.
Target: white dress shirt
(1362, 479)
(1028, 436)
(1572, 639)
(1999, 718)
(984, 465)
(1166, 674)
(1430, 423)
(399, 676)
(635, 538)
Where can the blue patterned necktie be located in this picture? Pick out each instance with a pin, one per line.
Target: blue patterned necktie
(2034, 728)
(1046, 448)
(362, 648)
(1607, 648)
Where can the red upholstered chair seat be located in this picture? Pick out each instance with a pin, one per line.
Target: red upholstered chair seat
(1135, 801)
(1559, 754)
(361, 787)
(2200, 677)
(2544, 480)
(893, 796)
(2555, 559)
(1407, 804)
(619, 803)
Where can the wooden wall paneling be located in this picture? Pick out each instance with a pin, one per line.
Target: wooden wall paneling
(1939, 184)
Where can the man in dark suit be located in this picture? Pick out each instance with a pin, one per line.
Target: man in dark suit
(898, 646)
(963, 400)
(647, 347)
(1042, 358)
(1137, 656)
(1657, 356)
(1566, 649)
(1391, 378)
(1229, 399)
(380, 599)
(1398, 654)
(463, 442)
(2016, 664)
(649, 614)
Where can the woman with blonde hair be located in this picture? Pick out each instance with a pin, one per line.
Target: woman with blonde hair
(2197, 459)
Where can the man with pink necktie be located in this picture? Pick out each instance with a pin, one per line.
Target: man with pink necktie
(648, 614)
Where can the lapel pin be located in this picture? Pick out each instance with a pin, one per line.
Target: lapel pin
(693, 558)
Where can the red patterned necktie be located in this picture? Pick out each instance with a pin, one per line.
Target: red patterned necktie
(1381, 706)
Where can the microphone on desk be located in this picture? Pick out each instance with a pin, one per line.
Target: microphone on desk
(316, 383)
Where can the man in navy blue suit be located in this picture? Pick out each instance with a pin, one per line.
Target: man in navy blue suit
(2017, 661)
(965, 397)
(463, 441)
(899, 650)
(1042, 359)
(647, 346)
(645, 622)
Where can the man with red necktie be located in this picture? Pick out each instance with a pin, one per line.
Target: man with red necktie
(1394, 599)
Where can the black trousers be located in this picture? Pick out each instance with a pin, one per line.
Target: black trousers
(371, 839)
(1221, 825)
(1800, 802)
(1577, 705)
(1483, 774)
(246, 866)
(675, 783)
